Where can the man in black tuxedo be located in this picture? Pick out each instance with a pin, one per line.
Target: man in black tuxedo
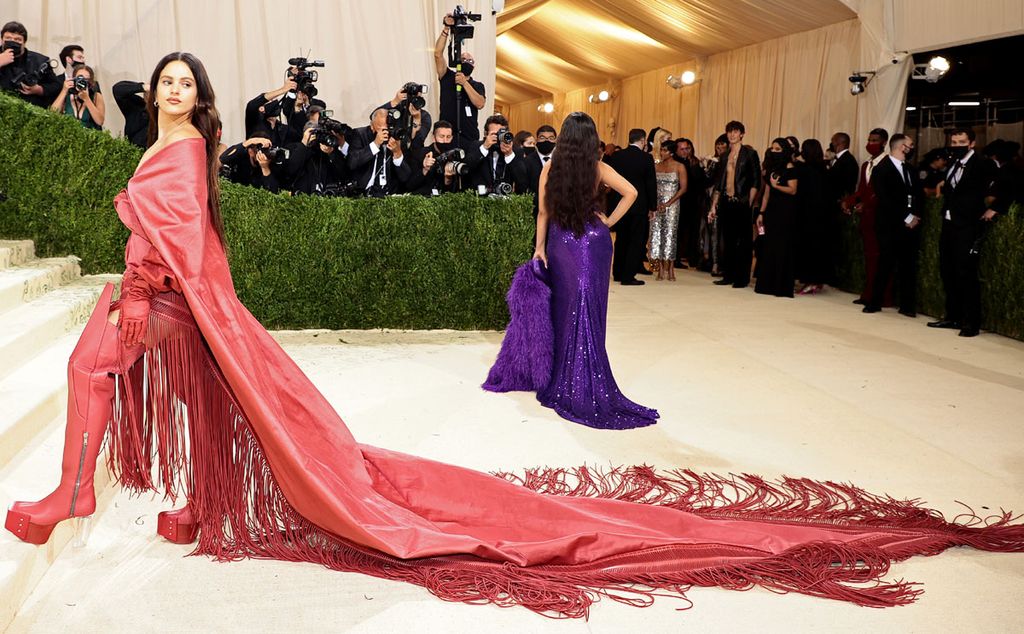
(964, 216)
(496, 161)
(376, 160)
(738, 182)
(897, 222)
(843, 170)
(637, 167)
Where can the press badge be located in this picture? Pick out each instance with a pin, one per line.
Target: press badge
(469, 111)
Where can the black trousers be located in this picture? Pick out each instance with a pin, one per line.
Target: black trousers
(959, 270)
(630, 238)
(737, 225)
(897, 257)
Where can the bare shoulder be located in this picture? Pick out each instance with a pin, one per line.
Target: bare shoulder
(184, 132)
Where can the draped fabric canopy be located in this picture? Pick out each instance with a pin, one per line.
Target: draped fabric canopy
(552, 46)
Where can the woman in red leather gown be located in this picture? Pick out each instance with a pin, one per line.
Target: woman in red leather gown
(200, 401)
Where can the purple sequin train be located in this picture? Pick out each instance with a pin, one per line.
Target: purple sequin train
(581, 386)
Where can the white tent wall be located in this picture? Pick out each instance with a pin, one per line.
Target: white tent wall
(371, 47)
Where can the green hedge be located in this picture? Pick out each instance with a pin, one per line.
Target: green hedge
(1001, 269)
(297, 262)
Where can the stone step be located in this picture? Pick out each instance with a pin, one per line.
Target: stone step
(35, 278)
(28, 329)
(32, 395)
(15, 252)
(32, 475)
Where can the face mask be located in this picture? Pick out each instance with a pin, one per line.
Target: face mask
(958, 152)
(12, 46)
(908, 154)
(443, 147)
(874, 149)
(831, 148)
(529, 149)
(467, 68)
(545, 147)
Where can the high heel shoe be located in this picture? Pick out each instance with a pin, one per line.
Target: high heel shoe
(178, 526)
(90, 401)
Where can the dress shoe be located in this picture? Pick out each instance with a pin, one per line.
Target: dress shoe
(738, 285)
(859, 301)
(908, 313)
(870, 309)
(633, 282)
(944, 323)
(722, 282)
(969, 332)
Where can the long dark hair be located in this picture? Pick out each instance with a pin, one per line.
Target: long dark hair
(205, 118)
(572, 178)
(812, 153)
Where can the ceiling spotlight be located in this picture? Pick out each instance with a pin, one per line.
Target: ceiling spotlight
(859, 80)
(546, 108)
(591, 98)
(939, 63)
(674, 82)
(603, 95)
(688, 77)
(933, 71)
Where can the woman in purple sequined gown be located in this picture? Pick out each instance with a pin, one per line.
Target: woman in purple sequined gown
(574, 243)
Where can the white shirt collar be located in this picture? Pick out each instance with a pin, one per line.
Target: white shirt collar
(841, 152)
(897, 162)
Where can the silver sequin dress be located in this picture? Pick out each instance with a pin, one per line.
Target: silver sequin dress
(666, 223)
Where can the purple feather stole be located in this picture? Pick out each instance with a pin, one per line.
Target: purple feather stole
(527, 352)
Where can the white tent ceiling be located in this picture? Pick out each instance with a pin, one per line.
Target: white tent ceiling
(553, 46)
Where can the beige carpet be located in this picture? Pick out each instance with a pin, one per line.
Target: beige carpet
(745, 383)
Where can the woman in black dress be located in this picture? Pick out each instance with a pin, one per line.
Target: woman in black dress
(777, 220)
(816, 221)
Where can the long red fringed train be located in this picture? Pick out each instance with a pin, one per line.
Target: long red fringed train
(177, 427)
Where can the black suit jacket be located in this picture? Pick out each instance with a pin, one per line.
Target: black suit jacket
(891, 190)
(361, 162)
(842, 177)
(483, 170)
(748, 173)
(637, 167)
(966, 200)
(128, 97)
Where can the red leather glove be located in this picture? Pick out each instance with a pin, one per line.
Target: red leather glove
(134, 317)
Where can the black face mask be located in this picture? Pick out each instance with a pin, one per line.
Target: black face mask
(958, 152)
(442, 147)
(909, 154)
(467, 68)
(831, 148)
(529, 149)
(545, 147)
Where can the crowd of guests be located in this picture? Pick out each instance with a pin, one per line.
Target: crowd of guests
(730, 214)
(778, 220)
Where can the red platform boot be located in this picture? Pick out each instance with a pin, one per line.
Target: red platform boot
(90, 399)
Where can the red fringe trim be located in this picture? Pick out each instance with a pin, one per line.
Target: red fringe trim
(175, 416)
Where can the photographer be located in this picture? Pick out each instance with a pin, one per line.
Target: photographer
(318, 164)
(28, 74)
(439, 167)
(79, 98)
(264, 110)
(130, 98)
(253, 163)
(410, 96)
(461, 97)
(376, 160)
(498, 168)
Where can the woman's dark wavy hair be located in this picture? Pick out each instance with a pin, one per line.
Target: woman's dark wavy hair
(571, 192)
(812, 152)
(205, 118)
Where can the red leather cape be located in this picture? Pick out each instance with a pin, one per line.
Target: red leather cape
(273, 471)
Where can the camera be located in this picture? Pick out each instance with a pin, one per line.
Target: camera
(303, 77)
(330, 125)
(33, 76)
(414, 95)
(275, 154)
(323, 137)
(505, 136)
(272, 108)
(81, 84)
(462, 29)
(503, 189)
(454, 157)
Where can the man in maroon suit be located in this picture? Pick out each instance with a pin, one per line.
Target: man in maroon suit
(864, 203)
